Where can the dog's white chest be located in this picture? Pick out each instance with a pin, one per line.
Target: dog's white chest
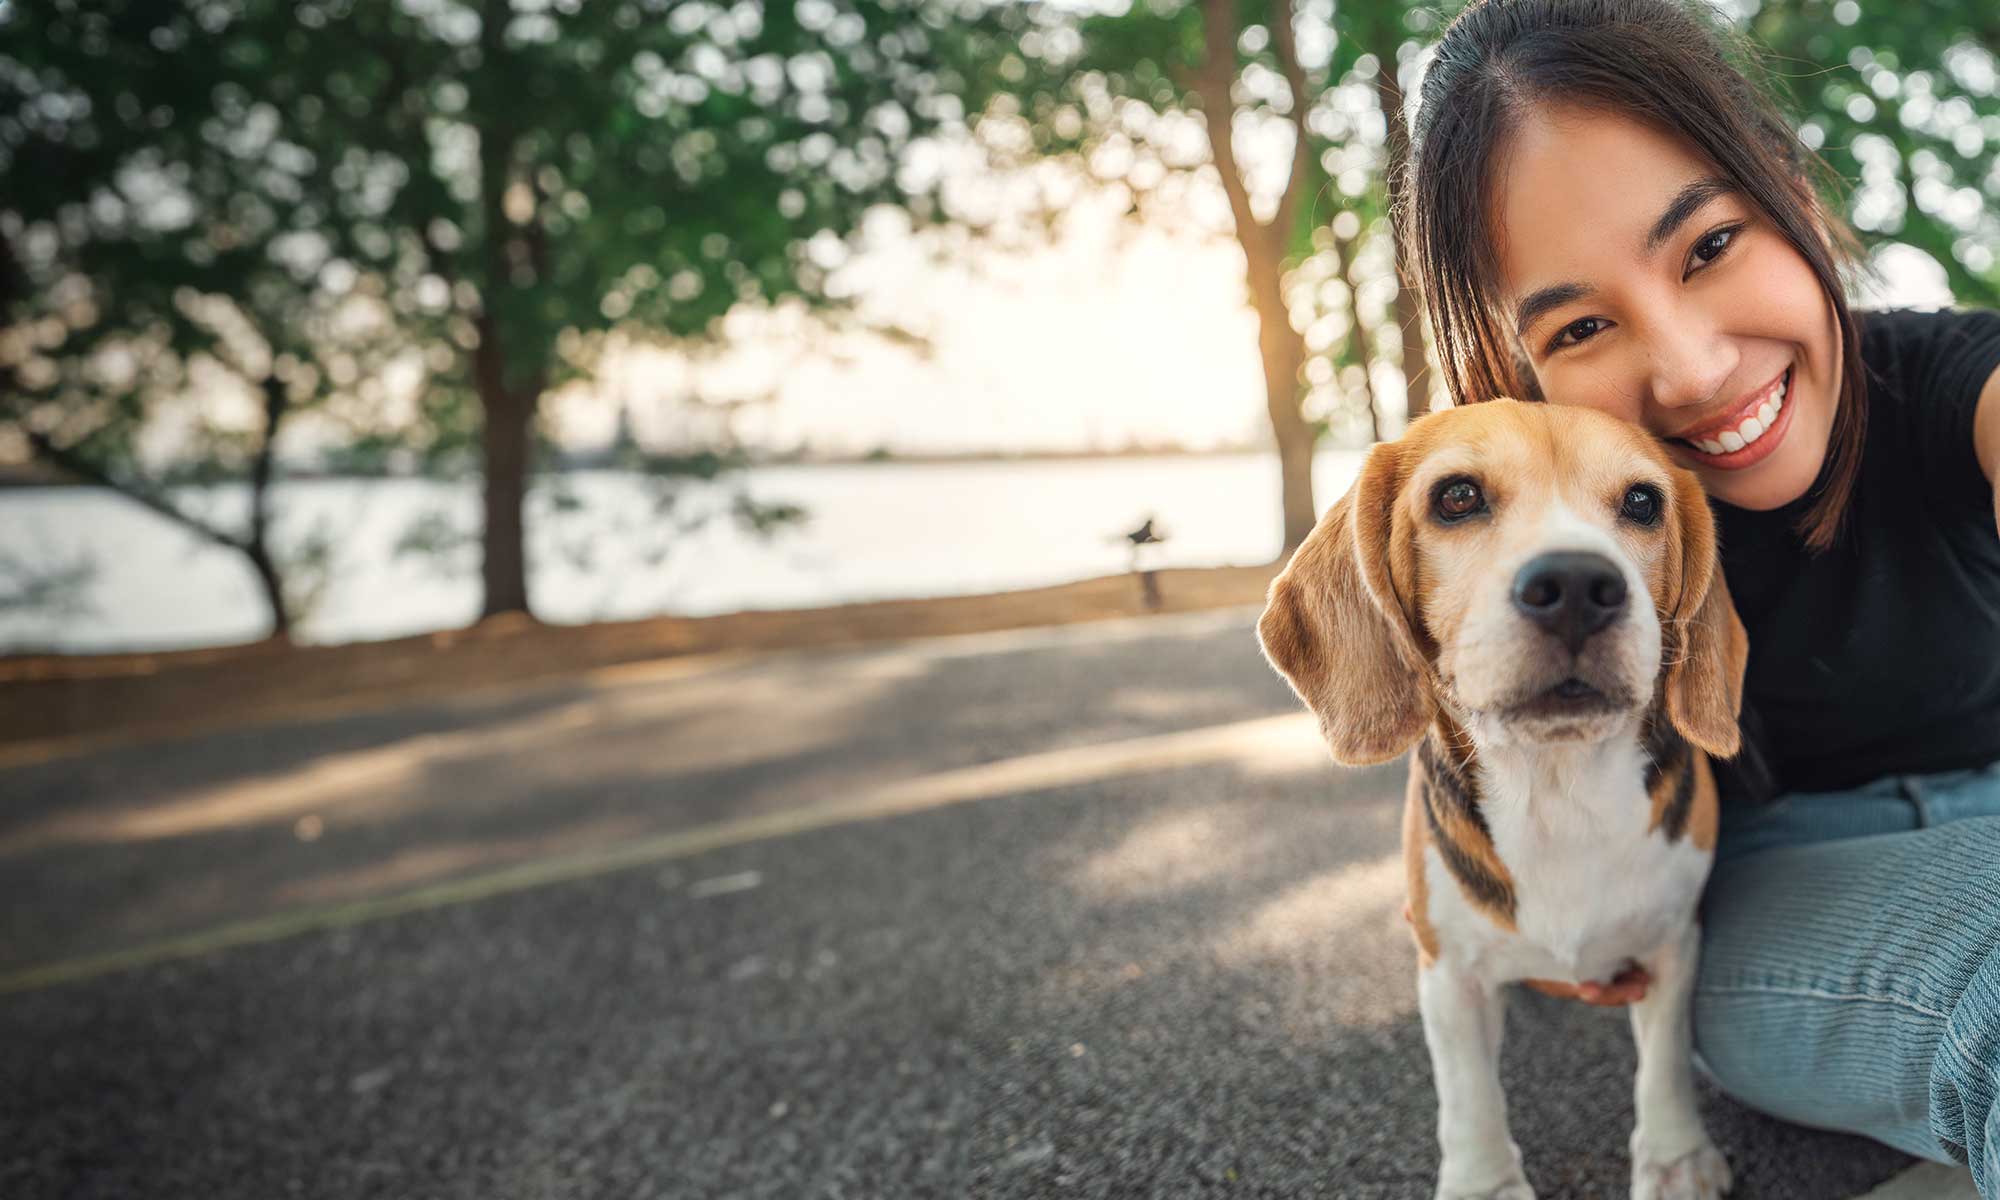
(1594, 884)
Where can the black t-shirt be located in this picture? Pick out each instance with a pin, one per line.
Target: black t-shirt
(1880, 656)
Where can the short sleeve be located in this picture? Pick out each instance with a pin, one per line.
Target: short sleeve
(1929, 368)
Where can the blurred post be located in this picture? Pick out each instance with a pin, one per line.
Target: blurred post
(1149, 586)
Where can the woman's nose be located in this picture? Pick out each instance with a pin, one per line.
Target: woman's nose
(1690, 363)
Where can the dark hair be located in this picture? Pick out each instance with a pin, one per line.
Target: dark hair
(1660, 62)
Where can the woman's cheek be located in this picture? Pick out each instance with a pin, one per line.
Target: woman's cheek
(1577, 385)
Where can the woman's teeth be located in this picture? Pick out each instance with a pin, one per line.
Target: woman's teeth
(1729, 441)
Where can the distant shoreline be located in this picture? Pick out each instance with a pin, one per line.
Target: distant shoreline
(37, 475)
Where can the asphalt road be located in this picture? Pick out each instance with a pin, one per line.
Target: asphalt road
(1076, 913)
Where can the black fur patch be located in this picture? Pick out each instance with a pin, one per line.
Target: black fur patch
(1670, 754)
(1446, 787)
(1443, 772)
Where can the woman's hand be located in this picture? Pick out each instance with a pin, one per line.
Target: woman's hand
(1626, 987)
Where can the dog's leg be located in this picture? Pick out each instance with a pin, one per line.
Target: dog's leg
(1462, 1024)
(1672, 1158)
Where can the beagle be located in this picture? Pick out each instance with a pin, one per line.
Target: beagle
(1530, 596)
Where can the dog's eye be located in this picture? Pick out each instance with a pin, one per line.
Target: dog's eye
(1458, 499)
(1642, 504)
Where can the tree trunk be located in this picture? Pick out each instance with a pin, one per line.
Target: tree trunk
(504, 566)
(1295, 477)
(274, 590)
(257, 547)
(1408, 303)
(1283, 350)
(252, 548)
(506, 439)
(507, 397)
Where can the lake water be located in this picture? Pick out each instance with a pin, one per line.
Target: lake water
(873, 531)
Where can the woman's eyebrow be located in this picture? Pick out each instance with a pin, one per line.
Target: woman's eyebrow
(1686, 203)
(1542, 300)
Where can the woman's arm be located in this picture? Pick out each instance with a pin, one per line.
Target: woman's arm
(1986, 437)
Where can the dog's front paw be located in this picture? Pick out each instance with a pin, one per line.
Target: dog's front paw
(1514, 1189)
(1698, 1174)
(1483, 1170)
(1497, 1177)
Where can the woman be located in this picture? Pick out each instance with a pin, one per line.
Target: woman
(1604, 212)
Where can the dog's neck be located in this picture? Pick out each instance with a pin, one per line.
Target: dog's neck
(1489, 809)
(1525, 776)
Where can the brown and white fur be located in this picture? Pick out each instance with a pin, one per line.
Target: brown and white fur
(1561, 814)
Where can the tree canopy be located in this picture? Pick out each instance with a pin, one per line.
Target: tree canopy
(1294, 113)
(501, 184)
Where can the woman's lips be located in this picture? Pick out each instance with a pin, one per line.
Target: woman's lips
(1757, 451)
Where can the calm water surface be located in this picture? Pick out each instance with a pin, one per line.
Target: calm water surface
(873, 531)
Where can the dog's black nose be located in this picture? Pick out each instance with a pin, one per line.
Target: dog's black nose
(1570, 593)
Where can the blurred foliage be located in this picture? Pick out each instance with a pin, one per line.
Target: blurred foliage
(1903, 102)
(1900, 99)
(113, 330)
(484, 190)
(1263, 122)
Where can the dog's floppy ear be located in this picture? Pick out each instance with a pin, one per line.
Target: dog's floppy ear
(1334, 628)
(1707, 648)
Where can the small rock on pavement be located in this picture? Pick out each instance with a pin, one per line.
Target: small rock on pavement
(722, 885)
(1030, 1154)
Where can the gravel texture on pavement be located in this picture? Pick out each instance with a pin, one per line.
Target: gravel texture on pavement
(1185, 982)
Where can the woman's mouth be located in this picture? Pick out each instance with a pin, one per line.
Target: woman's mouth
(1750, 435)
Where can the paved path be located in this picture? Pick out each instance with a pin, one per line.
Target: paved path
(1080, 912)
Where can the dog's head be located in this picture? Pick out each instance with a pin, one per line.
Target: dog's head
(1531, 571)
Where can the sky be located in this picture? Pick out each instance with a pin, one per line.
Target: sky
(1097, 342)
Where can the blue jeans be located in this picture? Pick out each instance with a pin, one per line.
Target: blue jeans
(1850, 968)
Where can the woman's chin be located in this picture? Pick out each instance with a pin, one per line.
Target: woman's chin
(1753, 499)
(1772, 483)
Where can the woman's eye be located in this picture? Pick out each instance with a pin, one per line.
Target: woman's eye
(1577, 331)
(1458, 499)
(1642, 504)
(1711, 246)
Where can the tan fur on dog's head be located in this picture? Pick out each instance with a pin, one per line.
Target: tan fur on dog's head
(1387, 617)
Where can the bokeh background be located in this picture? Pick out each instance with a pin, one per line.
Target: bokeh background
(477, 481)
(366, 319)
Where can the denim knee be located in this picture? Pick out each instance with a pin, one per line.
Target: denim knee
(1856, 986)
(1963, 1115)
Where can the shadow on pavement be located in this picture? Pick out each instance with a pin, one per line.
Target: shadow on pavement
(136, 844)
(1055, 993)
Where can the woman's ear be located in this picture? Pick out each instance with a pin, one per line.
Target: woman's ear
(1334, 629)
(1706, 647)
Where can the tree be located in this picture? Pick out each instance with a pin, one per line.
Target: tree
(148, 252)
(1319, 89)
(513, 180)
(1908, 111)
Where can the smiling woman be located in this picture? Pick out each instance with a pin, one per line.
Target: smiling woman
(1748, 364)
(1624, 223)
(1606, 213)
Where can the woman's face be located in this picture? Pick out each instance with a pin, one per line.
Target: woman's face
(1641, 285)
